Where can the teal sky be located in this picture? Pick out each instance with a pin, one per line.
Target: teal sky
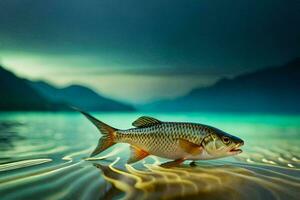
(138, 51)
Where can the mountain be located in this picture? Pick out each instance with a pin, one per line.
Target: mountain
(79, 96)
(17, 94)
(273, 89)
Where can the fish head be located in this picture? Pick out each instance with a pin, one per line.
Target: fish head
(221, 144)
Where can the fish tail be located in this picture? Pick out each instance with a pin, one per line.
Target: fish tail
(108, 134)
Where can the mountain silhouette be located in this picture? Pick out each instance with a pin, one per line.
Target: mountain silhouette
(273, 89)
(17, 95)
(79, 96)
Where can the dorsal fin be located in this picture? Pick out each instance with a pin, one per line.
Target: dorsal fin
(136, 154)
(145, 122)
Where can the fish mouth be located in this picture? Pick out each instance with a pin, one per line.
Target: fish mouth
(236, 149)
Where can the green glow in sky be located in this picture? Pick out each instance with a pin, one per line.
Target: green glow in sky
(112, 81)
(137, 50)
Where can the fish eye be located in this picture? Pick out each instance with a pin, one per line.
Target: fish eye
(226, 140)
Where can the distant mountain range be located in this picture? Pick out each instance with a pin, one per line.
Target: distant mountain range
(274, 89)
(18, 94)
(79, 96)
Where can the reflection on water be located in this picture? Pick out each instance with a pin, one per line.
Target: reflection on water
(46, 156)
(205, 181)
(8, 134)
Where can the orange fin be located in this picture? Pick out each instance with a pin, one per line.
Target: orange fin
(108, 134)
(136, 154)
(173, 163)
(104, 143)
(190, 147)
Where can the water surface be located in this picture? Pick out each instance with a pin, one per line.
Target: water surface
(45, 156)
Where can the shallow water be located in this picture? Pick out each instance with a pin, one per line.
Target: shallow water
(45, 156)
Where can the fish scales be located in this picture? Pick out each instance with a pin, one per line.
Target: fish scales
(162, 139)
(179, 141)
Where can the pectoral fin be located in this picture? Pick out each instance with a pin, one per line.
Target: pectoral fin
(190, 147)
(136, 154)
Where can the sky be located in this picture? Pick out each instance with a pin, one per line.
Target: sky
(139, 51)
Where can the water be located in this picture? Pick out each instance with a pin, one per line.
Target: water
(45, 156)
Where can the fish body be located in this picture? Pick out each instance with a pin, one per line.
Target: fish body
(163, 139)
(173, 140)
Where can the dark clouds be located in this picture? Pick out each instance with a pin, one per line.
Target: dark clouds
(213, 34)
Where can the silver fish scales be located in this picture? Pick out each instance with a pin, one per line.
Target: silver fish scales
(178, 141)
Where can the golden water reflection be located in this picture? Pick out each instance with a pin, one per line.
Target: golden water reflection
(205, 181)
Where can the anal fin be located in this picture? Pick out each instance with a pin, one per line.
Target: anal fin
(173, 163)
(136, 154)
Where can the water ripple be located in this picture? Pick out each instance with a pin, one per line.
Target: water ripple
(22, 164)
(48, 158)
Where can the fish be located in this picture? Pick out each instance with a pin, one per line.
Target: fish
(178, 141)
